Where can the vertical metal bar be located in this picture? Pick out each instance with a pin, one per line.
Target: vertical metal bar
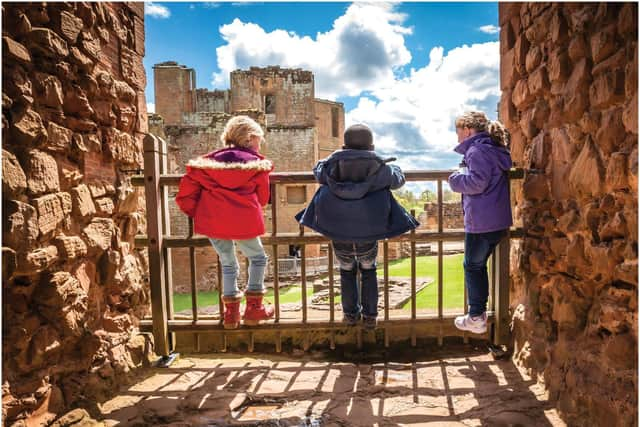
(413, 285)
(276, 267)
(194, 291)
(385, 252)
(303, 276)
(440, 263)
(154, 231)
(332, 314)
(501, 336)
(163, 166)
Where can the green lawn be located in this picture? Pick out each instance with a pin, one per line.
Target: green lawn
(453, 285)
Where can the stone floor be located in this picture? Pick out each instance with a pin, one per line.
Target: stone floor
(459, 386)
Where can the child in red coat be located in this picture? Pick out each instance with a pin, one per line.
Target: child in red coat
(224, 191)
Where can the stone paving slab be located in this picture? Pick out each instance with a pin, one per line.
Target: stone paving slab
(435, 388)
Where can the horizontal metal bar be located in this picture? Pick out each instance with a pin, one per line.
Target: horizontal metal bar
(294, 325)
(314, 238)
(308, 178)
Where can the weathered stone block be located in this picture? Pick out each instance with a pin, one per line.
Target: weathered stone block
(508, 71)
(538, 82)
(132, 68)
(615, 228)
(98, 234)
(37, 261)
(42, 173)
(104, 206)
(630, 115)
(15, 51)
(59, 138)
(90, 46)
(83, 62)
(615, 61)
(562, 155)
(577, 48)
(28, 129)
(50, 213)
(520, 54)
(80, 125)
(533, 59)
(122, 146)
(535, 187)
(45, 42)
(587, 175)
(603, 44)
(558, 66)
(104, 113)
(44, 347)
(627, 272)
(607, 89)
(126, 118)
(558, 28)
(9, 263)
(106, 85)
(124, 92)
(69, 26)
(522, 96)
(49, 90)
(611, 133)
(70, 247)
(83, 206)
(63, 302)
(540, 151)
(76, 103)
(14, 181)
(20, 228)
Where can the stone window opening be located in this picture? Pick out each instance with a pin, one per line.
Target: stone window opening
(269, 104)
(297, 194)
(335, 114)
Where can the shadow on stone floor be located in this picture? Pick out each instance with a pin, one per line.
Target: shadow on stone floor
(461, 385)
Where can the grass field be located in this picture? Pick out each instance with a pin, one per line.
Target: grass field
(426, 266)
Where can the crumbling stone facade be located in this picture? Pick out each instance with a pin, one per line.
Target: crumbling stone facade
(73, 118)
(570, 98)
(452, 216)
(299, 130)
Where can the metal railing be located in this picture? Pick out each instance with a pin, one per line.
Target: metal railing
(160, 242)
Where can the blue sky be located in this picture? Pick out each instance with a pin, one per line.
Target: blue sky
(405, 69)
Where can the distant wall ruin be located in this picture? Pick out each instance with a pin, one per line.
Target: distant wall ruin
(570, 97)
(73, 118)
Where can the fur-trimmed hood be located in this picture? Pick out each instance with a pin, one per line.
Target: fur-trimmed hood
(230, 167)
(207, 163)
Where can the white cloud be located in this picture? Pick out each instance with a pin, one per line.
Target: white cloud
(413, 118)
(151, 107)
(156, 10)
(360, 52)
(211, 5)
(489, 29)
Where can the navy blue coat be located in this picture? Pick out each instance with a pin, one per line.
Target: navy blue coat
(354, 202)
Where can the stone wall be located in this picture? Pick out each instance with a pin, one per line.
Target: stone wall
(213, 101)
(174, 87)
(451, 215)
(569, 82)
(292, 89)
(73, 118)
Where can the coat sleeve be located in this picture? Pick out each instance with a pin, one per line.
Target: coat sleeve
(263, 189)
(188, 195)
(397, 177)
(320, 172)
(478, 176)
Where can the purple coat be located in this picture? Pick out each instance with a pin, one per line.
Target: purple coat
(486, 202)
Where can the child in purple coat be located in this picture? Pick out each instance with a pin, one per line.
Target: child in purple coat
(486, 205)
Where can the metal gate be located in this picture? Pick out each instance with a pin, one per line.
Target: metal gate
(159, 242)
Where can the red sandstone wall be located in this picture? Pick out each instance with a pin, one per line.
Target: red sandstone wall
(73, 118)
(327, 143)
(174, 91)
(293, 90)
(570, 88)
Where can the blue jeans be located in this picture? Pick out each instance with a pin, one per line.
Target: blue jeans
(352, 256)
(252, 249)
(477, 249)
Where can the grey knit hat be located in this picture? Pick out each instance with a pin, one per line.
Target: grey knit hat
(358, 137)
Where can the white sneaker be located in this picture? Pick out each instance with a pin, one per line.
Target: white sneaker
(476, 324)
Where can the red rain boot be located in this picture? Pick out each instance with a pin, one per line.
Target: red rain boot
(231, 307)
(255, 310)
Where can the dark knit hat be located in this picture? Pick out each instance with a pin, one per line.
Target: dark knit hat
(358, 137)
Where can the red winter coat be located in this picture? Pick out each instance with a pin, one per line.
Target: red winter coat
(224, 192)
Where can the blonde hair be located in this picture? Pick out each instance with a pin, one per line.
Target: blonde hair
(239, 130)
(479, 121)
